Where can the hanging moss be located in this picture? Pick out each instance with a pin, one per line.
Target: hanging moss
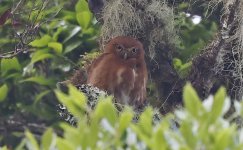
(150, 20)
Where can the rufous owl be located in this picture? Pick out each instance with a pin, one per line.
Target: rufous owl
(121, 70)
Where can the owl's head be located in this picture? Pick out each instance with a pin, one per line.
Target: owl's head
(125, 47)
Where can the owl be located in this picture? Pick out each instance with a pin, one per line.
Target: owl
(121, 71)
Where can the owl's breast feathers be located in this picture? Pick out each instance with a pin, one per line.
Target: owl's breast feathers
(109, 74)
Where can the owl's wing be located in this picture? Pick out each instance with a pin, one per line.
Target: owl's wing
(96, 62)
(100, 73)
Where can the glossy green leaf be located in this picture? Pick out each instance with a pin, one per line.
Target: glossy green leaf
(158, 141)
(81, 6)
(84, 19)
(32, 142)
(4, 148)
(57, 33)
(41, 95)
(42, 42)
(89, 32)
(177, 63)
(186, 130)
(192, 102)
(63, 98)
(224, 137)
(15, 75)
(75, 135)
(40, 55)
(47, 139)
(106, 109)
(78, 98)
(145, 121)
(72, 46)
(56, 46)
(68, 102)
(69, 16)
(124, 120)
(218, 104)
(185, 69)
(3, 92)
(10, 64)
(74, 32)
(63, 144)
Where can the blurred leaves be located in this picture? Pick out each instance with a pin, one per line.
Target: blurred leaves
(57, 47)
(84, 19)
(10, 64)
(107, 128)
(51, 36)
(39, 80)
(42, 42)
(3, 92)
(193, 37)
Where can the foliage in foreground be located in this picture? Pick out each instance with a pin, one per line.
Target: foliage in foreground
(201, 126)
(27, 80)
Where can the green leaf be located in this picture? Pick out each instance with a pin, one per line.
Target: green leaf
(41, 80)
(124, 120)
(4, 148)
(57, 33)
(32, 142)
(218, 104)
(56, 46)
(68, 16)
(75, 135)
(185, 69)
(159, 142)
(186, 130)
(40, 55)
(89, 32)
(41, 95)
(177, 63)
(77, 97)
(224, 138)
(75, 101)
(10, 64)
(192, 102)
(42, 42)
(74, 31)
(3, 92)
(47, 139)
(13, 76)
(63, 144)
(145, 121)
(81, 6)
(72, 46)
(106, 109)
(64, 99)
(84, 19)
(21, 145)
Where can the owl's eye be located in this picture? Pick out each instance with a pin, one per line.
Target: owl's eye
(134, 50)
(119, 47)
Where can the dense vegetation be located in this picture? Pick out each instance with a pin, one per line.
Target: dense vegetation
(43, 42)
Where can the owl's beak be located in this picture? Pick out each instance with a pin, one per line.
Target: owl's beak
(125, 56)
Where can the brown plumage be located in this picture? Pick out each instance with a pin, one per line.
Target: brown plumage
(121, 71)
